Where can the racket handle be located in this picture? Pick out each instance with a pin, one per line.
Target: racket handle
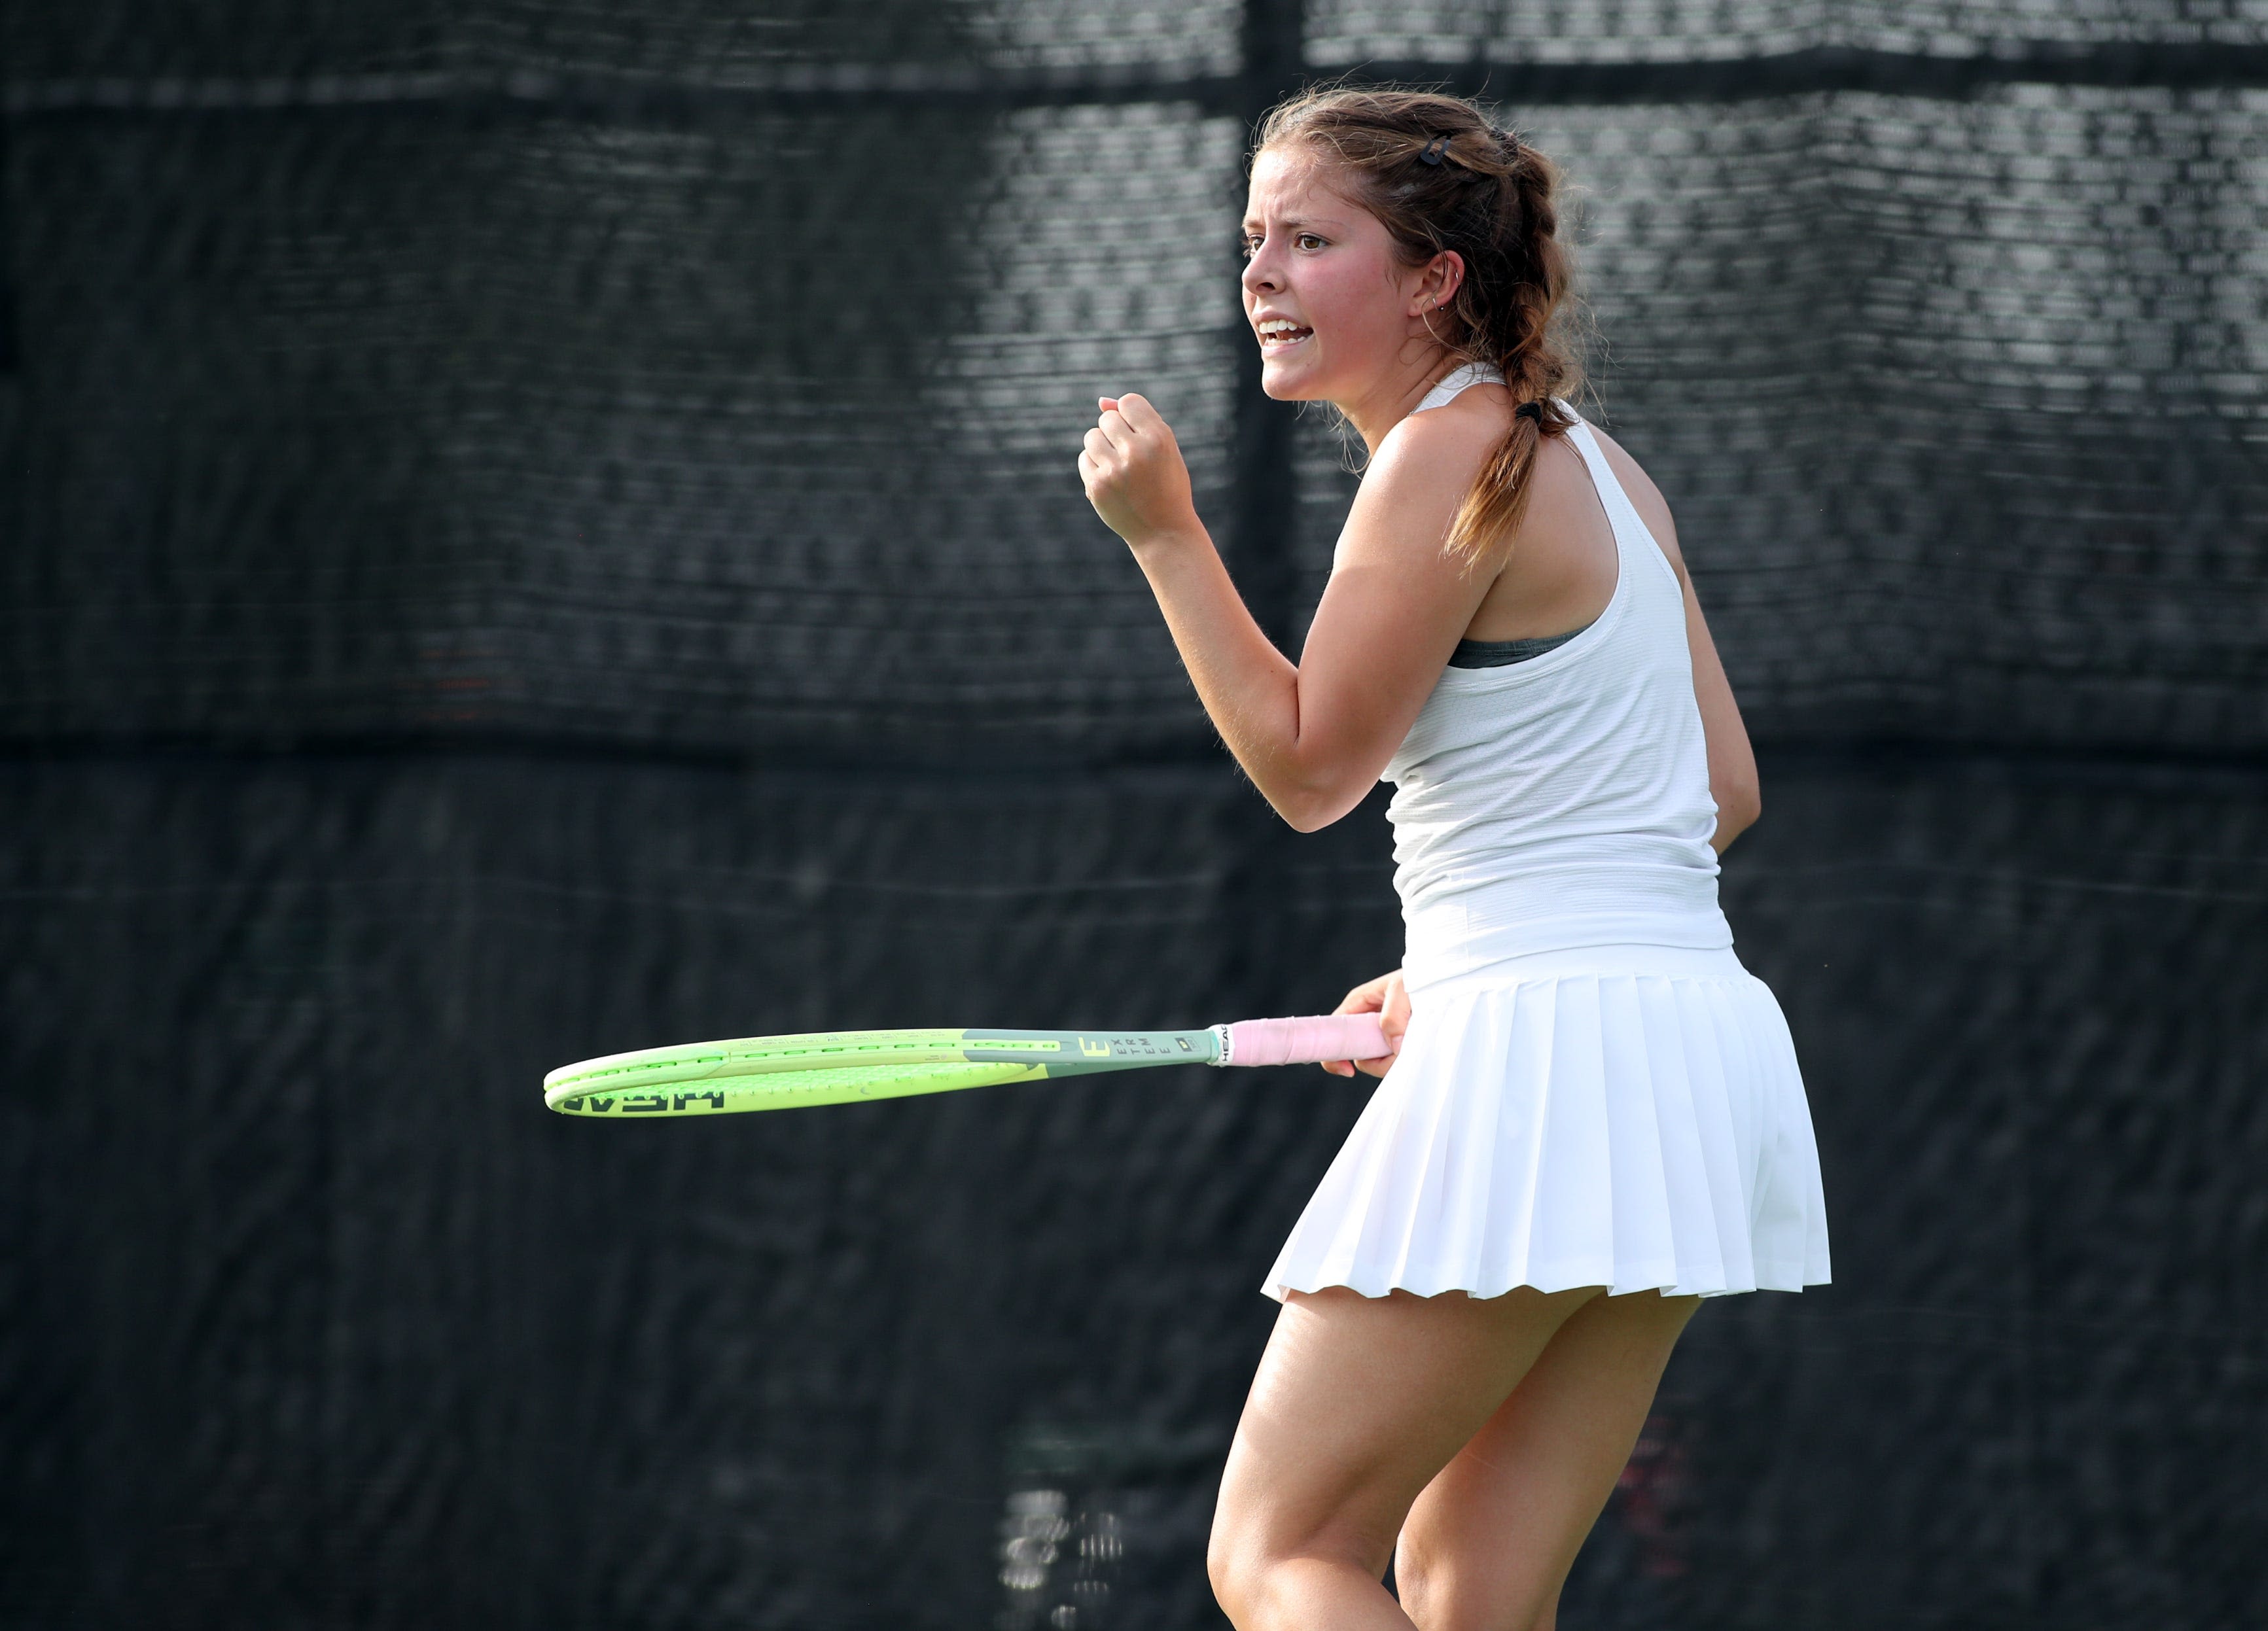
(1303, 1041)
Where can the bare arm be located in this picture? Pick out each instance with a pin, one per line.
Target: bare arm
(1731, 762)
(1315, 736)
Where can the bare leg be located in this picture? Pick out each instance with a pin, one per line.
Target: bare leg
(1359, 1403)
(1488, 1545)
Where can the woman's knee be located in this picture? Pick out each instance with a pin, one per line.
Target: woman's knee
(1251, 1569)
(1239, 1555)
(1438, 1595)
(1426, 1585)
(1225, 1569)
(1444, 1610)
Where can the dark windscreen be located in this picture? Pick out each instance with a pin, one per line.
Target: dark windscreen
(536, 531)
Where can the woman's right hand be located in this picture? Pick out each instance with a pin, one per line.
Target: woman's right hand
(1386, 997)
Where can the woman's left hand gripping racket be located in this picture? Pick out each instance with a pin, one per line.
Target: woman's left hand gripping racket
(846, 1066)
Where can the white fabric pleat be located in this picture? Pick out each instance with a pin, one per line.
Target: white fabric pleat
(1637, 1130)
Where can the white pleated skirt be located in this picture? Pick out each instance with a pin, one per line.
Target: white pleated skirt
(1629, 1117)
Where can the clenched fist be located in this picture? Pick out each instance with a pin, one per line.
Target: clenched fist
(1134, 475)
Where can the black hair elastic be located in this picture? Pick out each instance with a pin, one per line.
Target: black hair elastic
(1531, 410)
(1433, 150)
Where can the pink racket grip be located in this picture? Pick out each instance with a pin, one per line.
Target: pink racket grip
(1306, 1041)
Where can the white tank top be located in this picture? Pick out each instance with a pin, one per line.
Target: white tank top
(1562, 801)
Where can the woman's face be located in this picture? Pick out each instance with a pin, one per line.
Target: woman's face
(1336, 309)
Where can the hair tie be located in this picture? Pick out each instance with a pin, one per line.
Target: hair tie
(1433, 150)
(1531, 410)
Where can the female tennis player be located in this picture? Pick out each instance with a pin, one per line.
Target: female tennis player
(1594, 1118)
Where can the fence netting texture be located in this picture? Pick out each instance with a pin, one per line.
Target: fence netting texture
(537, 530)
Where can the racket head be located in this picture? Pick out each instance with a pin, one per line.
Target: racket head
(784, 1089)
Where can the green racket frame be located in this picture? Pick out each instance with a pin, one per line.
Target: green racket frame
(845, 1066)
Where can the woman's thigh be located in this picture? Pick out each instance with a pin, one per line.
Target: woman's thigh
(1358, 1403)
(1488, 1543)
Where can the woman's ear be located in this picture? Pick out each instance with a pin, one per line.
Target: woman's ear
(1437, 283)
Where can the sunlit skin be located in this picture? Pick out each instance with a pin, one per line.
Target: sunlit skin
(1472, 1441)
(1314, 258)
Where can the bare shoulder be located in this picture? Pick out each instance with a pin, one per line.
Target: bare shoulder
(1446, 441)
(1645, 496)
(1422, 471)
(1433, 458)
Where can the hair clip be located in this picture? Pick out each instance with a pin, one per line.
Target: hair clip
(1433, 150)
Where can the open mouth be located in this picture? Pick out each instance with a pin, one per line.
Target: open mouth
(1277, 333)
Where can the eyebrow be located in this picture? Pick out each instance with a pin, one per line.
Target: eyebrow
(1294, 221)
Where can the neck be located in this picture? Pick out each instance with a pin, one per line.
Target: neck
(1393, 396)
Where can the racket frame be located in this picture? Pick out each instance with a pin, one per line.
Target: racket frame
(848, 1066)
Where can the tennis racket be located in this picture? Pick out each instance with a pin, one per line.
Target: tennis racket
(849, 1067)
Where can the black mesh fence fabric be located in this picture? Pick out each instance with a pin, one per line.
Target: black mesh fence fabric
(658, 380)
(537, 530)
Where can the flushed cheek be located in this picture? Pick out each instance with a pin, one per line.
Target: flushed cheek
(1340, 317)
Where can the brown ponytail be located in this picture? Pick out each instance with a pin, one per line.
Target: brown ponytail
(1439, 177)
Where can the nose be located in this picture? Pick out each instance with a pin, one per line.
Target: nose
(1260, 275)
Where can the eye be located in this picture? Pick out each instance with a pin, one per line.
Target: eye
(1309, 240)
(1251, 245)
